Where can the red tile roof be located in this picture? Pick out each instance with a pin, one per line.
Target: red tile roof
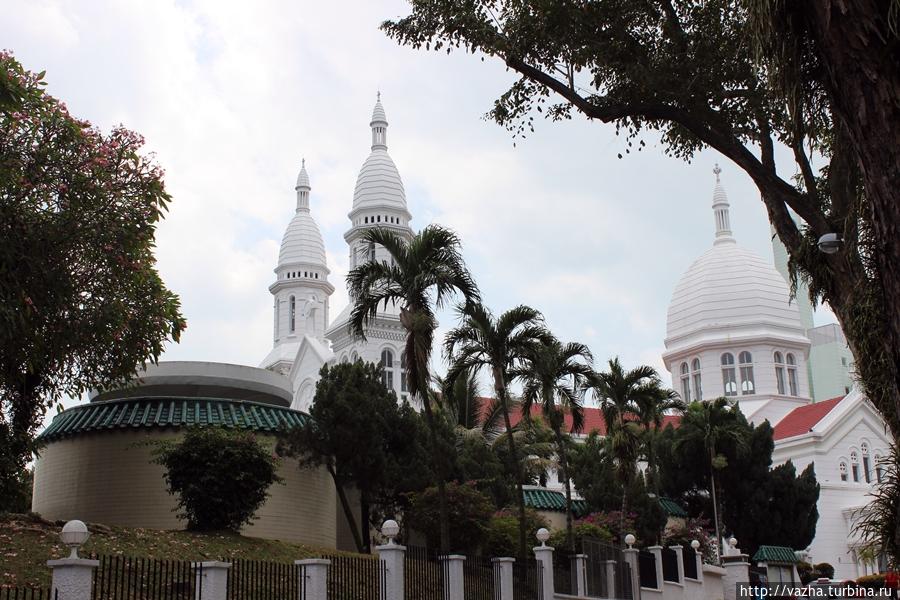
(593, 420)
(802, 419)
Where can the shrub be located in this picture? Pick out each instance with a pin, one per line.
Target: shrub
(693, 529)
(810, 572)
(872, 582)
(219, 476)
(581, 529)
(501, 537)
(468, 510)
(824, 569)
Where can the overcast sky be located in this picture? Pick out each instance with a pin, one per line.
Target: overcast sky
(231, 95)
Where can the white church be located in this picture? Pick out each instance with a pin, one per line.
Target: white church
(732, 330)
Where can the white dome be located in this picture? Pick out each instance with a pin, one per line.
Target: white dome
(727, 291)
(379, 184)
(302, 242)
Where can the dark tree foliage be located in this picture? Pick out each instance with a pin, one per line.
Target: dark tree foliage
(221, 477)
(360, 435)
(470, 513)
(760, 505)
(81, 302)
(819, 78)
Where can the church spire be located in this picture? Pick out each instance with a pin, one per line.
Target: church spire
(720, 211)
(379, 126)
(303, 188)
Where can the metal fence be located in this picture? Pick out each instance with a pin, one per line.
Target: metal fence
(601, 557)
(263, 580)
(127, 578)
(423, 574)
(528, 580)
(564, 572)
(670, 565)
(647, 569)
(356, 578)
(26, 593)
(689, 556)
(478, 578)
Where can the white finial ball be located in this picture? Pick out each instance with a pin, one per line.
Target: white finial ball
(732, 542)
(74, 534)
(542, 535)
(630, 539)
(695, 545)
(390, 529)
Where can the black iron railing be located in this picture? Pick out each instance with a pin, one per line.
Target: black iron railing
(647, 569)
(689, 557)
(262, 580)
(478, 578)
(355, 578)
(423, 574)
(27, 593)
(670, 566)
(527, 580)
(564, 572)
(128, 578)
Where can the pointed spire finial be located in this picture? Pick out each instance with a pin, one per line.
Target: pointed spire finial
(717, 170)
(378, 96)
(303, 163)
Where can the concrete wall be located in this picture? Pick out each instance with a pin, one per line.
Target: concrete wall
(108, 478)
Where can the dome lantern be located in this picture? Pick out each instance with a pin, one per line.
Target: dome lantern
(721, 211)
(379, 126)
(303, 188)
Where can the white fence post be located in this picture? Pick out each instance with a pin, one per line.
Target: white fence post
(579, 566)
(657, 555)
(392, 557)
(679, 559)
(453, 576)
(503, 577)
(611, 579)
(544, 556)
(631, 558)
(211, 580)
(313, 583)
(73, 577)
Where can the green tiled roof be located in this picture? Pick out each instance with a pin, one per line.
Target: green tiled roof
(166, 412)
(672, 508)
(777, 554)
(544, 499)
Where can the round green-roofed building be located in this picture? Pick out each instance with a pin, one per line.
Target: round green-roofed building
(96, 462)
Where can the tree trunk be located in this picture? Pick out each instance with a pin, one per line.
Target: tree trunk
(563, 464)
(514, 465)
(365, 515)
(348, 510)
(712, 487)
(443, 513)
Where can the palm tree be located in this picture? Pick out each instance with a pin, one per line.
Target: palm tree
(653, 403)
(713, 425)
(426, 273)
(483, 341)
(554, 376)
(630, 402)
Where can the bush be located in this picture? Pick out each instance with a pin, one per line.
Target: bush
(810, 572)
(581, 529)
(872, 582)
(693, 529)
(220, 477)
(468, 510)
(501, 537)
(824, 569)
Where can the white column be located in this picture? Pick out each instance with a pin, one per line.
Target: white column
(631, 558)
(392, 556)
(579, 566)
(544, 556)
(211, 580)
(454, 579)
(737, 570)
(611, 579)
(679, 558)
(313, 579)
(503, 577)
(72, 578)
(657, 555)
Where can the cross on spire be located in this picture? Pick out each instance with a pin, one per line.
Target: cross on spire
(717, 170)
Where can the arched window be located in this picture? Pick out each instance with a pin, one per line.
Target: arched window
(354, 356)
(792, 374)
(779, 372)
(403, 383)
(877, 468)
(746, 365)
(293, 313)
(685, 382)
(695, 374)
(345, 360)
(854, 466)
(843, 469)
(729, 382)
(864, 449)
(387, 365)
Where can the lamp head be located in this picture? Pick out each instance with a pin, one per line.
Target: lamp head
(74, 534)
(695, 545)
(542, 535)
(630, 540)
(732, 542)
(390, 529)
(830, 243)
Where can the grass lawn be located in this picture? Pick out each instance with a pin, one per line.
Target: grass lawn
(28, 542)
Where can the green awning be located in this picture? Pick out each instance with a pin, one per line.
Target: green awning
(672, 508)
(544, 499)
(775, 554)
(160, 412)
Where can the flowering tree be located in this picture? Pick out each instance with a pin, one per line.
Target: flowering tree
(81, 302)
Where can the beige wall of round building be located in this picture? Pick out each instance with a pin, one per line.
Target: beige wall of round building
(108, 477)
